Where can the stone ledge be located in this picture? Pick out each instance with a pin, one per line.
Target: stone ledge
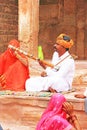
(25, 111)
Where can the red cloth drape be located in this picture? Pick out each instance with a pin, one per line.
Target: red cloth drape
(13, 70)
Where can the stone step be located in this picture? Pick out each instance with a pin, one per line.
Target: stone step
(22, 112)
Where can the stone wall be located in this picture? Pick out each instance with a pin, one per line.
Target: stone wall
(55, 17)
(8, 22)
(63, 16)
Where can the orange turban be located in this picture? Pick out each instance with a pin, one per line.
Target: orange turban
(64, 40)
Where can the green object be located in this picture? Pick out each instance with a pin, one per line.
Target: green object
(40, 52)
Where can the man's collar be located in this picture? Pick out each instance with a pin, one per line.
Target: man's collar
(64, 55)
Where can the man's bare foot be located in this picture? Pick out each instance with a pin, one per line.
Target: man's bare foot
(52, 90)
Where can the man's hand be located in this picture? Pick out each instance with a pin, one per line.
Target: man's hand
(43, 74)
(42, 63)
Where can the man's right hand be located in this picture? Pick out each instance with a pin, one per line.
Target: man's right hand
(43, 74)
(42, 63)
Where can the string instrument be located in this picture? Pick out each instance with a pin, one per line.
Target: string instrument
(30, 56)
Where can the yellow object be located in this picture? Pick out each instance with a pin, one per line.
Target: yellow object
(40, 52)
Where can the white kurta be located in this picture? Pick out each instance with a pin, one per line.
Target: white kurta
(59, 78)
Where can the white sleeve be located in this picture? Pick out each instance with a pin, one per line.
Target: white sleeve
(55, 58)
(67, 67)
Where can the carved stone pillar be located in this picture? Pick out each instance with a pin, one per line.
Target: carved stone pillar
(28, 25)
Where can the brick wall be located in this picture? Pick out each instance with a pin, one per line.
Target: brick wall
(8, 22)
(56, 16)
(63, 16)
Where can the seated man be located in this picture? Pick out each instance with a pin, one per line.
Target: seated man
(13, 73)
(59, 77)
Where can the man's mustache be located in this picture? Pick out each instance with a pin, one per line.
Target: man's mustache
(54, 47)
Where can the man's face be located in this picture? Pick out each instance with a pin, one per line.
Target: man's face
(58, 47)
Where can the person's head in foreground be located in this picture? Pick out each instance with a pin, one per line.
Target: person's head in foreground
(54, 117)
